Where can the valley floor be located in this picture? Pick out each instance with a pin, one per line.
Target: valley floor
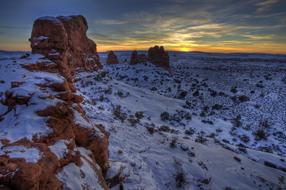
(215, 121)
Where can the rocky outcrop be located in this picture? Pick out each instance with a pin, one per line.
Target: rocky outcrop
(157, 55)
(63, 150)
(112, 58)
(137, 58)
(64, 41)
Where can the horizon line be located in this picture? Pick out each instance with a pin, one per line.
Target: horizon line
(194, 51)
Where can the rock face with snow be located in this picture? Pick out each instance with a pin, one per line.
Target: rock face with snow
(137, 58)
(64, 41)
(46, 139)
(112, 58)
(157, 55)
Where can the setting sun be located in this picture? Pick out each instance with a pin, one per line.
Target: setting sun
(185, 49)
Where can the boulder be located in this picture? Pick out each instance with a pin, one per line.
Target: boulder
(137, 58)
(112, 58)
(63, 40)
(157, 55)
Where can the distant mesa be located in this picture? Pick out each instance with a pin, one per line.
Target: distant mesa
(63, 40)
(137, 58)
(112, 58)
(157, 55)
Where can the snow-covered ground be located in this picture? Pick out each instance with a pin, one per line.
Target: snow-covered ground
(215, 121)
(22, 95)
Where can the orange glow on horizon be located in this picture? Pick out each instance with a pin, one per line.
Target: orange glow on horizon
(266, 48)
(277, 49)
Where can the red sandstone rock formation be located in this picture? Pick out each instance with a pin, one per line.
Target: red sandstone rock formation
(137, 58)
(112, 58)
(158, 56)
(64, 41)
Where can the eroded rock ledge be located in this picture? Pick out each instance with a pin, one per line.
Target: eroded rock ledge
(46, 139)
(64, 41)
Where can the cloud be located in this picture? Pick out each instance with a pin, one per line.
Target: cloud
(259, 37)
(265, 5)
(111, 22)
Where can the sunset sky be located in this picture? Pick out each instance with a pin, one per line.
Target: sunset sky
(182, 25)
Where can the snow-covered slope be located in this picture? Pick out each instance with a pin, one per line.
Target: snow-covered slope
(182, 129)
(38, 148)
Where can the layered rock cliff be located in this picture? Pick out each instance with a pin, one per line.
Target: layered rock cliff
(46, 139)
(64, 41)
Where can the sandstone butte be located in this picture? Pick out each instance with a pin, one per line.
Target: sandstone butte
(158, 56)
(112, 58)
(137, 58)
(65, 47)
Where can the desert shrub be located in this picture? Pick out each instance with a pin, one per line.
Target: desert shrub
(122, 94)
(151, 130)
(264, 124)
(243, 98)
(242, 149)
(268, 77)
(133, 120)
(173, 143)
(189, 131)
(244, 138)
(260, 134)
(222, 94)
(233, 89)
(101, 98)
(180, 179)
(108, 91)
(259, 85)
(180, 176)
(188, 103)
(201, 139)
(236, 121)
(139, 115)
(164, 128)
(240, 99)
(165, 116)
(284, 79)
(153, 89)
(213, 93)
(217, 107)
(100, 76)
(196, 93)
(205, 181)
(119, 114)
(182, 94)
